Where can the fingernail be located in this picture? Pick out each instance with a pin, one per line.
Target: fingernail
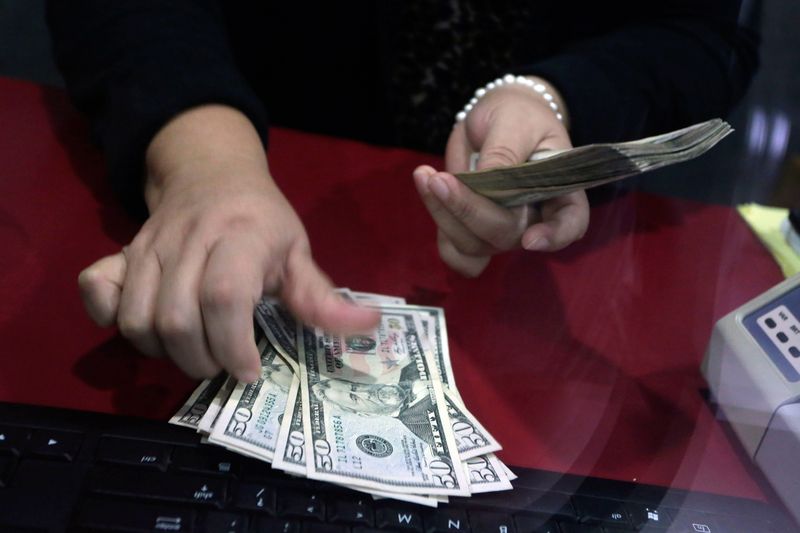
(536, 245)
(424, 171)
(249, 376)
(439, 188)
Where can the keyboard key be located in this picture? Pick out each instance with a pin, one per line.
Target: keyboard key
(297, 504)
(552, 504)
(42, 495)
(255, 497)
(601, 511)
(315, 527)
(535, 524)
(580, 528)
(488, 522)
(204, 460)
(52, 477)
(219, 522)
(265, 524)
(447, 520)
(642, 515)
(159, 486)
(6, 464)
(746, 524)
(254, 470)
(556, 506)
(12, 439)
(58, 445)
(398, 518)
(133, 452)
(346, 511)
(688, 521)
(134, 517)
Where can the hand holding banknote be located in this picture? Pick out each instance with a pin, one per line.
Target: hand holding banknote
(505, 127)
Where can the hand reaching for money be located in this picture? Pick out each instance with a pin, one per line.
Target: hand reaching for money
(505, 127)
(220, 235)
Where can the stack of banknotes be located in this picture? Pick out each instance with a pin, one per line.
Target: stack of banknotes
(376, 412)
(557, 172)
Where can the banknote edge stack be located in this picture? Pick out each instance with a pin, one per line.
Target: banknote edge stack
(558, 172)
(446, 451)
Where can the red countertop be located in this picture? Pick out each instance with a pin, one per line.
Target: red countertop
(584, 361)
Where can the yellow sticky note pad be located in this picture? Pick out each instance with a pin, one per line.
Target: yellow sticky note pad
(766, 224)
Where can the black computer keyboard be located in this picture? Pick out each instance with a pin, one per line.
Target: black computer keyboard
(65, 471)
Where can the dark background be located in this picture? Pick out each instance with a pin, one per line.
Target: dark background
(760, 162)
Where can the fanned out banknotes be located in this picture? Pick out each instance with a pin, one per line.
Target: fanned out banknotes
(558, 172)
(378, 412)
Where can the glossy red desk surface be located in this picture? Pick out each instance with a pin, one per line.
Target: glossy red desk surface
(585, 361)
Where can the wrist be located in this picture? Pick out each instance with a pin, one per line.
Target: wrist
(202, 144)
(557, 99)
(532, 88)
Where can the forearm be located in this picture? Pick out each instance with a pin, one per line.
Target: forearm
(206, 141)
(133, 66)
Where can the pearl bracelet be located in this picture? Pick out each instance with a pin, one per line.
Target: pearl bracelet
(510, 79)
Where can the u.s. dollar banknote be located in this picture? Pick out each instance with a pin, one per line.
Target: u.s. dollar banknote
(280, 328)
(435, 331)
(215, 407)
(196, 407)
(290, 450)
(371, 297)
(471, 437)
(374, 410)
(251, 418)
(487, 474)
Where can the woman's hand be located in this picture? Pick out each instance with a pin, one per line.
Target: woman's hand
(220, 236)
(505, 127)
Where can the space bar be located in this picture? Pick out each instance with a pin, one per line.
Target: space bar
(195, 489)
(133, 516)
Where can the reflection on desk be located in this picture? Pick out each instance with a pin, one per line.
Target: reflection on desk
(584, 361)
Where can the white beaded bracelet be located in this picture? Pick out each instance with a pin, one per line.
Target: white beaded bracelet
(510, 79)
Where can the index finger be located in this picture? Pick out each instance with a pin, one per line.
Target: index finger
(461, 206)
(230, 288)
(310, 296)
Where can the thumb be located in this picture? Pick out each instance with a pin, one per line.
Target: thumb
(309, 294)
(508, 142)
(101, 286)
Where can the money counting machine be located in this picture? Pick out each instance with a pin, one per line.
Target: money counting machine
(752, 366)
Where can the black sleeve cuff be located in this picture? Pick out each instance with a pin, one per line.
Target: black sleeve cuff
(600, 110)
(140, 105)
(132, 66)
(650, 79)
